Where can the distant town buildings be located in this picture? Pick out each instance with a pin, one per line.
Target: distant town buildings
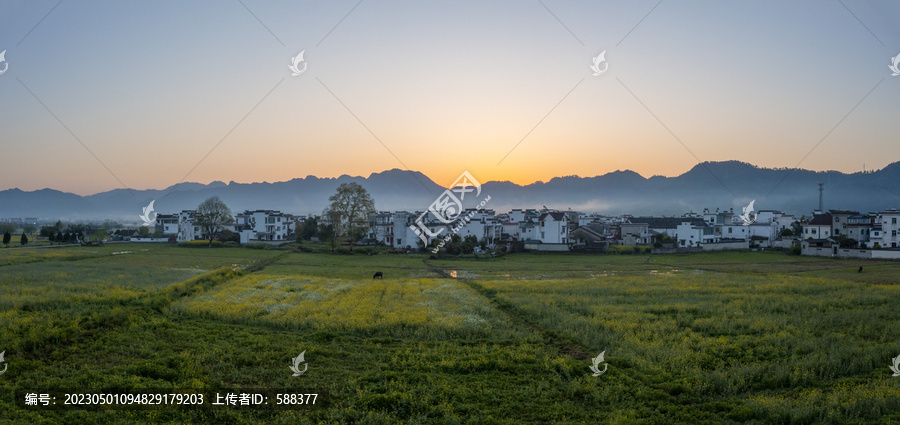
(266, 226)
(832, 233)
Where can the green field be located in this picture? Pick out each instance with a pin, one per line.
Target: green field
(732, 337)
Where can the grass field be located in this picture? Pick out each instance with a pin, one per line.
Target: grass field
(731, 337)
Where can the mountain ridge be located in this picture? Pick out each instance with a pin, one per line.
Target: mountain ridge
(724, 184)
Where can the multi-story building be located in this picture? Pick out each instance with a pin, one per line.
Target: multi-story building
(840, 219)
(859, 227)
(381, 227)
(264, 226)
(633, 234)
(188, 228)
(167, 224)
(694, 234)
(553, 227)
(890, 228)
(819, 227)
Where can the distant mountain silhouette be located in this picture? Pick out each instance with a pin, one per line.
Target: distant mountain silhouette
(728, 184)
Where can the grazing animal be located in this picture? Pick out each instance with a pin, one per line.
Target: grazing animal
(377, 275)
(860, 269)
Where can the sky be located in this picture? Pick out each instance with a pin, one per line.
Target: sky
(110, 94)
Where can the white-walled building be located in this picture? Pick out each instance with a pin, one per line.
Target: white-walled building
(688, 234)
(890, 228)
(264, 226)
(188, 228)
(818, 228)
(553, 227)
(167, 224)
(381, 227)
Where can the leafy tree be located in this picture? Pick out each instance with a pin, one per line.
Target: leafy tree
(51, 238)
(797, 228)
(7, 227)
(213, 215)
(227, 235)
(6, 238)
(110, 224)
(353, 204)
(325, 233)
(75, 228)
(24, 239)
(158, 234)
(29, 228)
(143, 231)
(329, 231)
(309, 229)
(98, 235)
(47, 231)
(787, 231)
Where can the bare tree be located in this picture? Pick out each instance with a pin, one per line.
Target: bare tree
(353, 204)
(213, 215)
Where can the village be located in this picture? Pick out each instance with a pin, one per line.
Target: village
(832, 233)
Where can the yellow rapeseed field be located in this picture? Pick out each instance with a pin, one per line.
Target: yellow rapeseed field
(410, 307)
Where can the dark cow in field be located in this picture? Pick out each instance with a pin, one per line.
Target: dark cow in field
(860, 269)
(377, 275)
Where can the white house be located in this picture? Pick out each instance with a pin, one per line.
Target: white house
(381, 227)
(188, 228)
(553, 227)
(167, 224)
(264, 226)
(688, 234)
(890, 229)
(818, 228)
(409, 226)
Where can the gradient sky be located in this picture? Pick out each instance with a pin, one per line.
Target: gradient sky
(152, 87)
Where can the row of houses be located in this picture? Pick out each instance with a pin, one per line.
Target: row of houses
(549, 230)
(265, 226)
(869, 230)
(825, 233)
(843, 233)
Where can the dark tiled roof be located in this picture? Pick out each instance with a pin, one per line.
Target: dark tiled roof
(558, 216)
(821, 220)
(588, 230)
(667, 222)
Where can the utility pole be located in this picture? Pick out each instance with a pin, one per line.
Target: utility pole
(821, 189)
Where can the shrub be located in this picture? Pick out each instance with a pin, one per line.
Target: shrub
(257, 245)
(232, 244)
(201, 244)
(620, 249)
